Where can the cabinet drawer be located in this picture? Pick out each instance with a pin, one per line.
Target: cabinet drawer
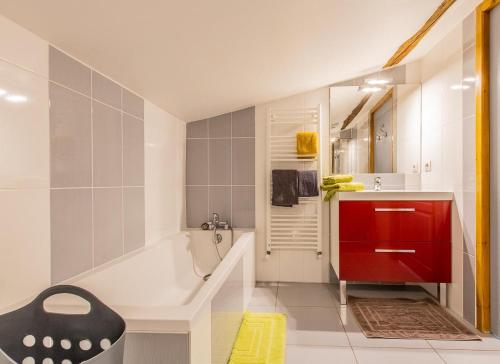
(417, 221)
(395, 262)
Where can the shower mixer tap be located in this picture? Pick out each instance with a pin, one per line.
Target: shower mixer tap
(215, 219)
(215, 223)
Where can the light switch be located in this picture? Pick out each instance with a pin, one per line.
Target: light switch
(428, 166)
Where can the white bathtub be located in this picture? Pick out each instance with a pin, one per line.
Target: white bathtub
(172, 314)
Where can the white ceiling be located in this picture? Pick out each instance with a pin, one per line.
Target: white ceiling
(200, 58)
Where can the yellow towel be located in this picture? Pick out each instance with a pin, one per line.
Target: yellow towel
(260, 340)
(307, 143)
(337, 178)
(341, 187)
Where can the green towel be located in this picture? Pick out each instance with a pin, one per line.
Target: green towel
(337, 178)
(341, 187)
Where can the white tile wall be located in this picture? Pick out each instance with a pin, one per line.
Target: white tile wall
(409, 106)
(24, 136)
(164, 154)
(448, 142)
(25, 243)
(24, 165)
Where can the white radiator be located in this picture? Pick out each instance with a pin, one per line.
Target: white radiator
(297, 227)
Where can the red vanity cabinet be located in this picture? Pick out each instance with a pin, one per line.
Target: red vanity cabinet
(395, 241)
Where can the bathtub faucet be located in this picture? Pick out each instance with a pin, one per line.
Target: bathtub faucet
(215, 218)
(216, 223)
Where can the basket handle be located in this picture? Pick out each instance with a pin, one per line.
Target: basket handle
(95, 304)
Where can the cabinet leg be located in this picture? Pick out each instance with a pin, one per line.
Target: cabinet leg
(442, 294)
(343, 292)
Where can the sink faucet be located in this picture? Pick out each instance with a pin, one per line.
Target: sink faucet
(378, 183)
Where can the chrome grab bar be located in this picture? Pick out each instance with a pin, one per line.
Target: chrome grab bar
(408, 251)
(394, 209)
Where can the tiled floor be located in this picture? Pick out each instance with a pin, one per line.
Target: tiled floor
(320, 331)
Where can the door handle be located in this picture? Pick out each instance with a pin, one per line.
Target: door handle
(394, 209)
(406, 251)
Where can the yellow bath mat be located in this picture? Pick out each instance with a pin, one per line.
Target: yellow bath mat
(307, 144)
(261, 339)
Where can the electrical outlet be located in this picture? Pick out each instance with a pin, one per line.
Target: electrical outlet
(428, 166)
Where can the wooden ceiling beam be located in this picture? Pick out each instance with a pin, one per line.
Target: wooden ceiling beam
(412, 42)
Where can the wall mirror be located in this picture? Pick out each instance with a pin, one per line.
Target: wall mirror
(375, 128)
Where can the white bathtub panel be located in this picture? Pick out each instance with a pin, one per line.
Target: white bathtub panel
(201, 337)
(142, 348)
(227, 312)
(248, 276)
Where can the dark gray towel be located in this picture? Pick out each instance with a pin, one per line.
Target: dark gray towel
(308, 184)
(285, 187)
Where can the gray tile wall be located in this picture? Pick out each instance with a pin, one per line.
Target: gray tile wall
(469, 179)
(220, 169)
(97, 168)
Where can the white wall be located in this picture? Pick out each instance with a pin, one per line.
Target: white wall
(448, 144)
(24, 167)
(287, 266)
(408, 136)
(164, 143)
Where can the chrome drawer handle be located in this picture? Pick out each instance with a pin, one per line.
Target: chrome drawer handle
(400, 209)
(408, 251)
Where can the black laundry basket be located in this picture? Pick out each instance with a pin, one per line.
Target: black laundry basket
(32, 335)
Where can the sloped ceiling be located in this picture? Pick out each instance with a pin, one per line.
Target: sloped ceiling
(199, 58)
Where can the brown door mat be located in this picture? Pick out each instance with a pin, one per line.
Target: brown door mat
(401, 318)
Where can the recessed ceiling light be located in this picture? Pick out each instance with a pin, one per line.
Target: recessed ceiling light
(470, 79)
(370, 88)
(16, 99)
(2, 92)
(377, 82)
(459, 87)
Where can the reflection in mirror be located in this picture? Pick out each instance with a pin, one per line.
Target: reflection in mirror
(375, 128)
